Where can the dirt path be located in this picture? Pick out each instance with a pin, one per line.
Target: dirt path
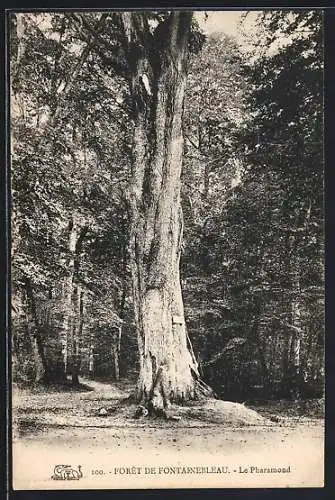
(65, 428)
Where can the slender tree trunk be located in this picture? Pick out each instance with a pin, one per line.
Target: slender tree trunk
(206, 180)
(285, 383)
(72, 316)
(292, 361)
(77, 308)
(116, 345)
(67, 294)
(41, 365)
(74, 334)
(115, 355)
(265, 369)
(122, 301)
(121, 308)
(167, 368)
(307, 355)
(295, 348)
(91, 362)
(19, 295)
(16, 321)
(81, 319)
(256, 338)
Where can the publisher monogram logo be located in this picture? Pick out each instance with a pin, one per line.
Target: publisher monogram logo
(66, 473)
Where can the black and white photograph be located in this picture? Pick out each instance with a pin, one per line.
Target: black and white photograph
(167, 248)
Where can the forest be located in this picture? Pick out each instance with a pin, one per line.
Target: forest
(167, 204)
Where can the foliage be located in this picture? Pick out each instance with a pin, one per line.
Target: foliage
(262, 244)
(252, 193)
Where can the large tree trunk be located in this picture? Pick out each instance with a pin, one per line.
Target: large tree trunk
(167, 368)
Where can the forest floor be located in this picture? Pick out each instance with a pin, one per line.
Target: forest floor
(69, 421)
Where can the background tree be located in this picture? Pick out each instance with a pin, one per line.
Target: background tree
(53, 161)
(269, 233)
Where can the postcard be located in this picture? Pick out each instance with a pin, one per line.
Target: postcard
(167, 249)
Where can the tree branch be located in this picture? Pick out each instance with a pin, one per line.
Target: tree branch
(98, 43)
(282, 322)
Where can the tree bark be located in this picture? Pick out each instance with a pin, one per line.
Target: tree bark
(75, 334)
(76, 325)
(72, 317)
(116, 346)
(292, 379)
(41, 365)
(91, 362)
(256, 338)
(295, 349)
(157, 83)
(67, 294)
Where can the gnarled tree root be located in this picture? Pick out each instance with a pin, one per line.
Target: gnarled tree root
(157, 404)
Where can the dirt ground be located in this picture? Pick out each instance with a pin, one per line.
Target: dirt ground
(69, 424)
